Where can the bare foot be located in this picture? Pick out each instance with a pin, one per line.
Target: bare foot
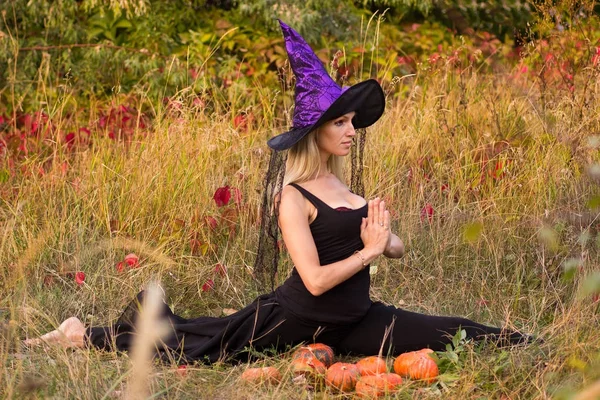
(69, 334)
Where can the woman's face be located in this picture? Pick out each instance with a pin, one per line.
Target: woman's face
(335, 136)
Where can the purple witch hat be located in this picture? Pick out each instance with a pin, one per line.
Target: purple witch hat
(319, 99)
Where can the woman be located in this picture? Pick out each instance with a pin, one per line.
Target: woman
(331, 234)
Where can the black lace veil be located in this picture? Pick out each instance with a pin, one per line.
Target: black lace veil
(267, 256)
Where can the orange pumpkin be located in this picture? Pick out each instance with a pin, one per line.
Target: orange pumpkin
(374, 386)
(393, 380)
(321, 351)
(405, 360)
(371, 365)
(424, 369)
(260, 375)
(342, 376)
(308, 366)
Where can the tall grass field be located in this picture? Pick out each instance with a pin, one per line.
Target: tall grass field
(491, 175)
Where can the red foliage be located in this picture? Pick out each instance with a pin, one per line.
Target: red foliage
(222, 196)
(211, 222)
(427, 213)
(208, 285)
(196, 246)
(132, 260)
(80, 278)
(500, 169)
(221, 269)
(120, 267)
(182, 370)
(70, 139)
(434, 58)
(122, 122)
(240, 122)
(30, 124)
(596, 57)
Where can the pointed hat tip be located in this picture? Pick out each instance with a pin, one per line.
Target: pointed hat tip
(283, 25)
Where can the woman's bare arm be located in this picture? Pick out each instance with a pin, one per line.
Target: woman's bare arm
(318, 279)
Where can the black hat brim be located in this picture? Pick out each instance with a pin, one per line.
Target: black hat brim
(365, 98)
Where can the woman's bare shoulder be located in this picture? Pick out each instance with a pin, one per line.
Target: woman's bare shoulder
(292, 206)
(290, 196)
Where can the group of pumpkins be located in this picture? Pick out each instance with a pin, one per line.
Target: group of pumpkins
(368, 377)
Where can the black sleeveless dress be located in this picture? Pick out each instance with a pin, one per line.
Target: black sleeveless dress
(343, 317)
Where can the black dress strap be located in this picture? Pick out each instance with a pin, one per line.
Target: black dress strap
(310, 197)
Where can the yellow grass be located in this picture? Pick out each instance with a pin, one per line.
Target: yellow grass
(152, 196)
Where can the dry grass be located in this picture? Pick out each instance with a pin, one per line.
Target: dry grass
(451, 129)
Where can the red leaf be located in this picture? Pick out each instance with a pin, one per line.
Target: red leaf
(208, 285)
(132, 260)
(211, 222)
(221, 269)
(198, 102)
(182, 370)
(70, 139)
(500, 169)
(80, 278)
(434, 58)
(427, 213)
(240, 121)
(196, 246)
(120, 267)
(222, 196)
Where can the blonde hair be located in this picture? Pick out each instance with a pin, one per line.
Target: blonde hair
(303, 161)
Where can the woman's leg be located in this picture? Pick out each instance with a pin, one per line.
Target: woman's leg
(70, 333)
(73, 333)
(413, 331)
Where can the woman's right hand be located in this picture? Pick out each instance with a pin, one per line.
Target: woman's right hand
(375, 229)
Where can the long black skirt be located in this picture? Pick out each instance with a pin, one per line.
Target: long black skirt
(264, 324)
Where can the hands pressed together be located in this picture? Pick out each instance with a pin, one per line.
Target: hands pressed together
(375, 229)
